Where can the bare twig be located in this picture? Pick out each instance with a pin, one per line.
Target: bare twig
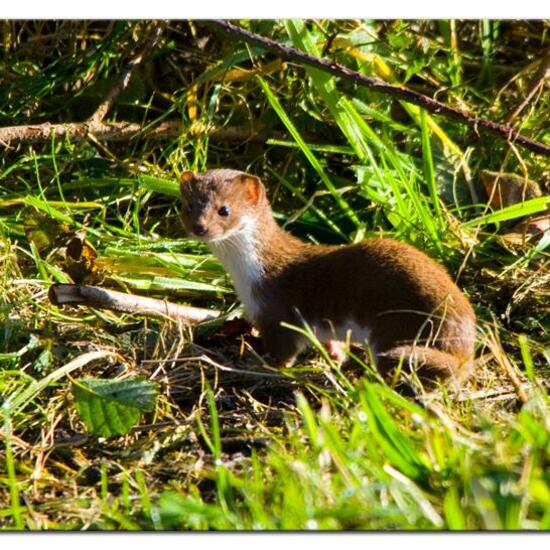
(506, 132)
(61, 294)
(124, 79)
(11, 136)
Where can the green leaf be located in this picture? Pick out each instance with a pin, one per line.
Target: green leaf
(159, 185)
(519, 210)
(153, 282)
(113, 407)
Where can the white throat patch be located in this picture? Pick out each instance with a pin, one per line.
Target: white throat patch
(238, 253)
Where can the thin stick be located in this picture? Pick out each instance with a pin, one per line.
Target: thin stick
(11, 136)
(124, 79)
(101, 298)
(503, 131)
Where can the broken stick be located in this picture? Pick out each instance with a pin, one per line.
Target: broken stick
(101, 298)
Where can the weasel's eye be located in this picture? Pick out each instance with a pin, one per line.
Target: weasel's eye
(223, 211)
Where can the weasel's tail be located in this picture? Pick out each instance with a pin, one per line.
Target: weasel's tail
(430, 365)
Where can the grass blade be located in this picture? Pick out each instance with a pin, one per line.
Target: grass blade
(527, 208)
(15, 506)
(308, 153)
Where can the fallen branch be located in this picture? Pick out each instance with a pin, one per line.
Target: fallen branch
(101, 298)
(11, 136)
(124, 79)
(94, 127)
(504, 131)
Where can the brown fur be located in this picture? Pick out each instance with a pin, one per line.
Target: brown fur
(413, 311)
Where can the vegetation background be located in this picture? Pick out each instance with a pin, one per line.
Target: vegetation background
(228, 443)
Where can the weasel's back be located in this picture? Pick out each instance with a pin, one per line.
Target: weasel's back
(395, 290)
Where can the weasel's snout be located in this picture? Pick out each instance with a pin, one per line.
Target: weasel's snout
(199, 229)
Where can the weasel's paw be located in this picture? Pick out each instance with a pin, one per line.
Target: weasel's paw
(336, 351)
(280, 362)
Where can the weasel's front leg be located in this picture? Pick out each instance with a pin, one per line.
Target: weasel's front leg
(282, 344)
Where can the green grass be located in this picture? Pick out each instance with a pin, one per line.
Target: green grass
(232, 443)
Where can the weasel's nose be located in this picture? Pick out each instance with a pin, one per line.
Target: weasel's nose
(199, 229)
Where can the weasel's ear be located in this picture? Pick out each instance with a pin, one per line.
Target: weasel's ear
(187, 177)
(254, 188)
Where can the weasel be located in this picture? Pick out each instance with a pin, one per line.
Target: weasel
(380, 291)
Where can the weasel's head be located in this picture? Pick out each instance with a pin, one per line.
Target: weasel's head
(219, 203)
